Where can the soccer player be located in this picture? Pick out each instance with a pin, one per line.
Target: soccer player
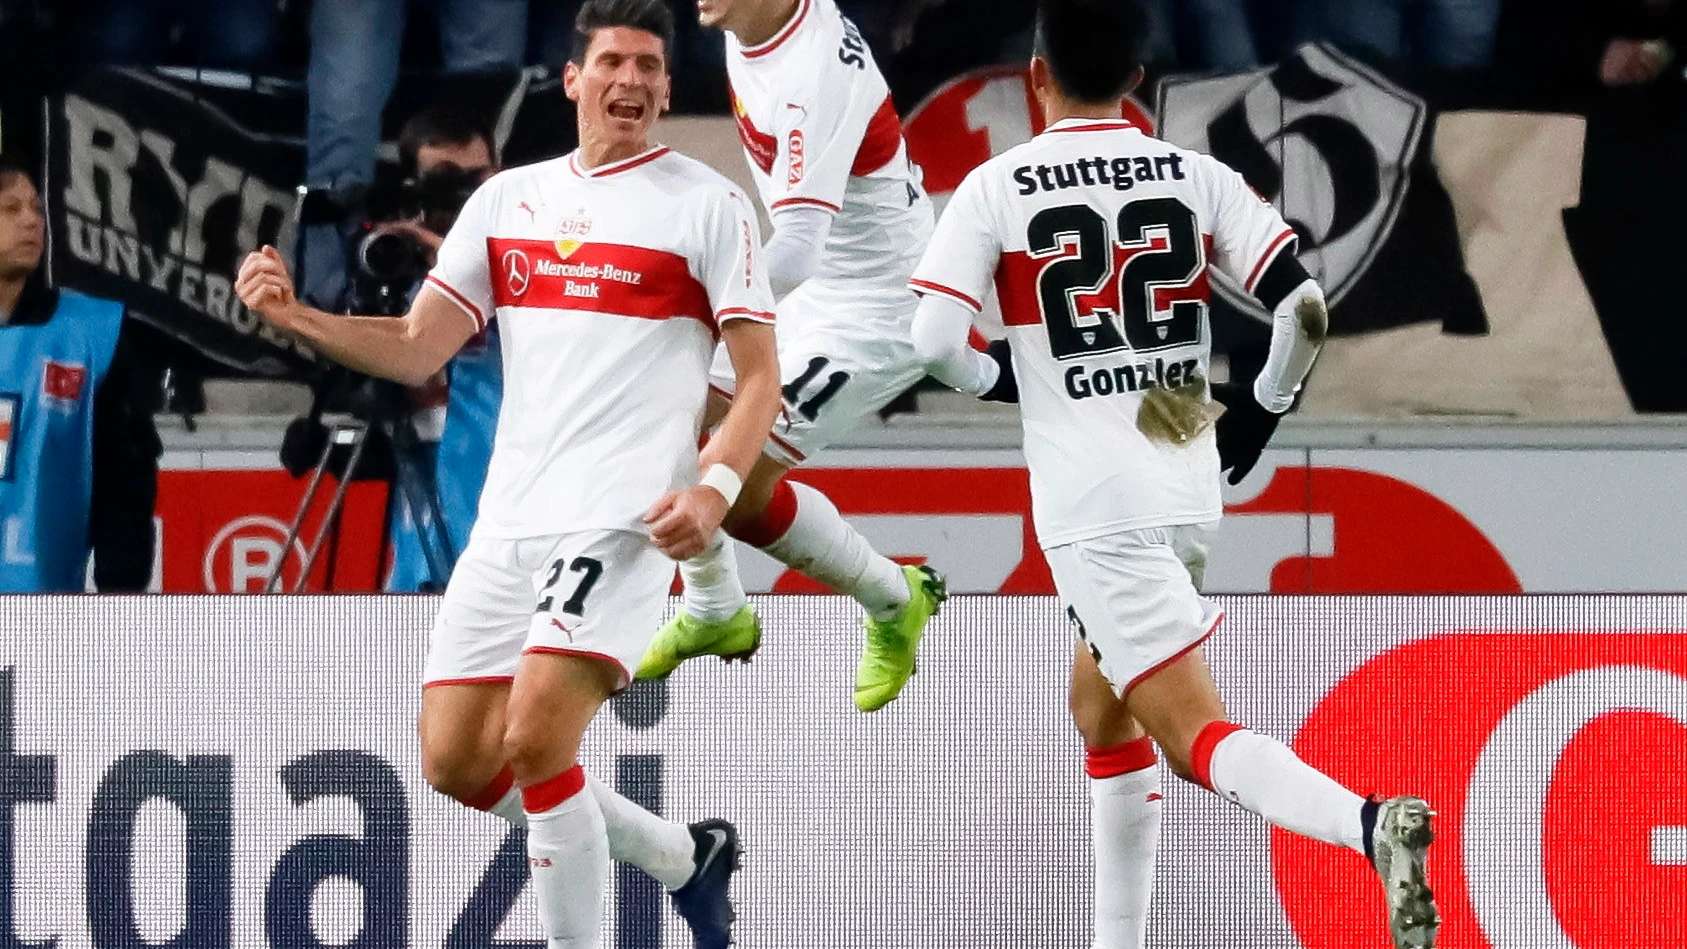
(1101, 244)
(612, 272)
(849, 222)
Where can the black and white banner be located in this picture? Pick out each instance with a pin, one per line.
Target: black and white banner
(1343, 152)
(159, 183)
(154, 196)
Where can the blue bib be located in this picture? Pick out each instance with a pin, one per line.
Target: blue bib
(48, 376)
(465, 449)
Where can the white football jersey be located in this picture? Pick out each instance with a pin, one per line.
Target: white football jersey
(609, 287)
(1098, 241)
(819, 129)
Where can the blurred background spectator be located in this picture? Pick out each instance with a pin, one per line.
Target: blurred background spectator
(1456, 34)
(1201, 35)
(1564, 50)
(78, 447)
(214, 34)
(355, 50)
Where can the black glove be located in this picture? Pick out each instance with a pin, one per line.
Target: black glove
(1006, 388)
(1242, 431)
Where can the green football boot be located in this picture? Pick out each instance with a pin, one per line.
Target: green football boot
(888, 660)
(685, 637)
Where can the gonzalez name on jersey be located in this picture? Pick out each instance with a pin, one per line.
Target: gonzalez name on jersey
(1099, 242)
(609, 286)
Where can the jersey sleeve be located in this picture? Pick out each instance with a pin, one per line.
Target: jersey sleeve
(1248, 233)
(461, 271)
(965, 250)
(732, 270)
(819, 130)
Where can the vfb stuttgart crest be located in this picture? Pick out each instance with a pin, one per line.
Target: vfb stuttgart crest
(1324, 138)
(572, 232)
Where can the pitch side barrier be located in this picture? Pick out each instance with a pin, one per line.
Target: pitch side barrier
(242, 772)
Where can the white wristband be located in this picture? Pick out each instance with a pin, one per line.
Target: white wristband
(724, 480)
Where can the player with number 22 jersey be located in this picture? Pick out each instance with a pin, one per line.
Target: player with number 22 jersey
(1101, 244)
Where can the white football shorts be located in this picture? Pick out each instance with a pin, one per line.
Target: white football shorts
(1135, 596)
(598, 594)
(845, 351)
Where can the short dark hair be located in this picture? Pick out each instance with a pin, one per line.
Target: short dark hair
(1093, 47)
(651, 16)
(444, 124)
(12, 167)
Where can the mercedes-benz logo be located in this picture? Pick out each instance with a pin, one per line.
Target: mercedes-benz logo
(518, 271)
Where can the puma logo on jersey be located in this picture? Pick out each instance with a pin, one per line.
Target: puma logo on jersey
(1121, 173)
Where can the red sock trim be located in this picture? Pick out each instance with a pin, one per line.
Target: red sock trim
(489, 797)
(541, 797)
(774, 520)
(1111, 762)
(1201, 753)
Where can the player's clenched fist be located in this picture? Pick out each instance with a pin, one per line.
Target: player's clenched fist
(682, 522)
(264, 285)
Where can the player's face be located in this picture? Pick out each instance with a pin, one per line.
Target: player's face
(621, 87)
(714, 14)
(729, 14)
(23, 231)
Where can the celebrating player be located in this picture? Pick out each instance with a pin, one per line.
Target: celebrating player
(850, 220)
(612, 272)
(1099, 241)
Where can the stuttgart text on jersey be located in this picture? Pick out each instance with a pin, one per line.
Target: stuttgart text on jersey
(1121, 172)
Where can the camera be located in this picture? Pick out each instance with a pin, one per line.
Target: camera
(386, 261)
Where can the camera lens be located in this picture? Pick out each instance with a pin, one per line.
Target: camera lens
(386, 255)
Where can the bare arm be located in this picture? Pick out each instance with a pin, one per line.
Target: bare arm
(682, 522)
(410, 349)
(739, 440)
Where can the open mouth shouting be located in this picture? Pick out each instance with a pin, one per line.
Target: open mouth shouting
(628, 110)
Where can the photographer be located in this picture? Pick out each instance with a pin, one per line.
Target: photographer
(446, 153)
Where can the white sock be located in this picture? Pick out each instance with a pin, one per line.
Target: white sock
(820, 544)
(662, 848)
(1126, 831)
(1264, 776)
(713, 592)
(510, 809)
(568, 854)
